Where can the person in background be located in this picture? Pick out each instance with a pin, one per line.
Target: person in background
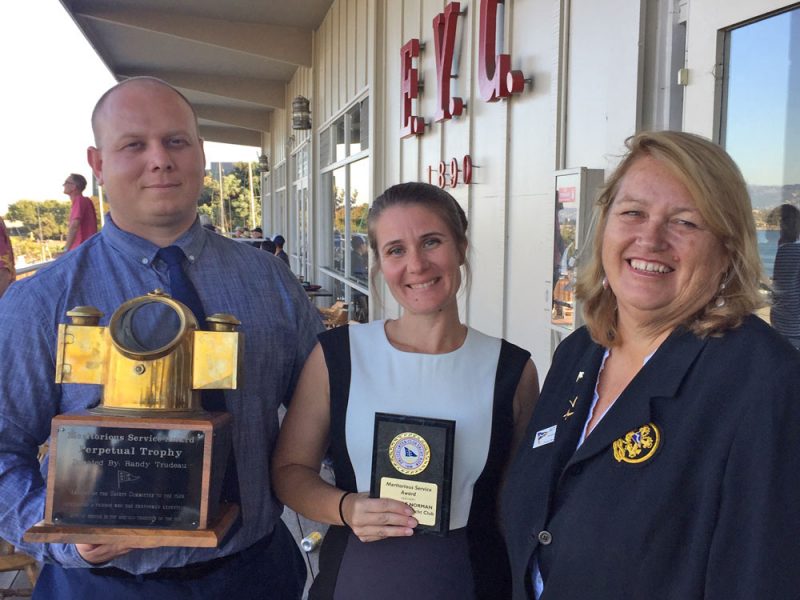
(82, 216)
(662, 459)
(149, 157)
(359, 259)
(268, 245)
(280, 242)
(785, 311)
(8, 272)
(426, 363)
(789, 218)
(256, 233)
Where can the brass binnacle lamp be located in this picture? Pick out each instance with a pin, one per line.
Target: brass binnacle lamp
(152, 356)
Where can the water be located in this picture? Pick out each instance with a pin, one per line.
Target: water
(768, 248)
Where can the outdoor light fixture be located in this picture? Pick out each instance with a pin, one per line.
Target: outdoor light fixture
(301, 113)
(263, 163)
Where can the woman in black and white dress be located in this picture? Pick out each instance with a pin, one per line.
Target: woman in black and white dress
(424, 364)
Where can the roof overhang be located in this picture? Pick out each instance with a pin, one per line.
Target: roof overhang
(231, 59)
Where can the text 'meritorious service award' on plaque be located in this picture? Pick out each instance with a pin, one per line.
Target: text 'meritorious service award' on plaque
(412, 461)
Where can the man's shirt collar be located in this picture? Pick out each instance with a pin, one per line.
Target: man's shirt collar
(192, 242)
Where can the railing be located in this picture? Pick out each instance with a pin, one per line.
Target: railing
(29, 270)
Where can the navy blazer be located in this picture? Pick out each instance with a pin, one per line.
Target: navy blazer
(701, 500)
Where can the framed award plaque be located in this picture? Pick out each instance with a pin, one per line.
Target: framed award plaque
(412, 461)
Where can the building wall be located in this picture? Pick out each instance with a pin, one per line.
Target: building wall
(587, 63)
(533, 155)
(342, 48)
(603, 82)
(514, 143)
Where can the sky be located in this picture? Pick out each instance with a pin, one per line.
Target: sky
(766, 148)
(52, 78)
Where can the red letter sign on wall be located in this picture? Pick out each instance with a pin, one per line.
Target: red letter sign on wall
(495, 77)
(410, 90)
(444, 37)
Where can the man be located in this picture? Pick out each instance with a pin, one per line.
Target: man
(149, 157)
(82, 217)
(7, 270)
(280, 241)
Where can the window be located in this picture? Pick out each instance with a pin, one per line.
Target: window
(279, 222)
(266, 203)
(760, 125)
(299, 221)
(346, 195)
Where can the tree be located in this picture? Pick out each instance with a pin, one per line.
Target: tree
(239, 194)
(208, 203)
(236, 191)
(46, 220)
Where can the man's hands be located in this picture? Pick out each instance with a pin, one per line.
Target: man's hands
(101, 553)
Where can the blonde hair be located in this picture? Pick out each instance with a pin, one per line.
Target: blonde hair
(718, 189)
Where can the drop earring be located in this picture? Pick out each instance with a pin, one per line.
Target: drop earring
(720, 298)
(605, 282)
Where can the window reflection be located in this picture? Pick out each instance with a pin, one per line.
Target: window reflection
(359, 208)
(345, 184)
(337, 192)
(337, 131)
(354, 115)
(761, 118)
(566, 212)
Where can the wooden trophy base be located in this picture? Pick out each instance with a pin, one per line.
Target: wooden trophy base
(138, 481)
(137, 537)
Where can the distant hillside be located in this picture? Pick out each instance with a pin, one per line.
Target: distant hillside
(769, 196)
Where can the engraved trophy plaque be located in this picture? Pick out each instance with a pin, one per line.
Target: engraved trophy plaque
(146, 466)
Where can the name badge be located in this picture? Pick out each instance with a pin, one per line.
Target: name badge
(544, 437)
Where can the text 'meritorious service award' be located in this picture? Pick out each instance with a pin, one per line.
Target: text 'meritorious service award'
(412, 461)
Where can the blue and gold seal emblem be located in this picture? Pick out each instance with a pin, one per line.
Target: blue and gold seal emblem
(638, 445)
(409, 453)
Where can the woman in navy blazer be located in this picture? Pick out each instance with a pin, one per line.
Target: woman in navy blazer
(663, 457)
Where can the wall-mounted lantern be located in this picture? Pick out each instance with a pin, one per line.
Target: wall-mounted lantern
(301, 113)
(263, 163)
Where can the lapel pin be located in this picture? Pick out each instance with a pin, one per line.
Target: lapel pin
(544, 437)
(638, 445)
(580, 376)
(568, 414)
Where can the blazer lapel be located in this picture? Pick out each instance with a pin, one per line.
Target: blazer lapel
(660, 377)
(574, 409)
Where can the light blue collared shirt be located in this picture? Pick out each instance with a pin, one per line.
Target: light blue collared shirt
(279, 325)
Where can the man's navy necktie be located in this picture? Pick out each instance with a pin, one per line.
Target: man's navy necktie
(182, 289)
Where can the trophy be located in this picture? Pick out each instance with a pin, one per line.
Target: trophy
(412, 461)
(145, 467)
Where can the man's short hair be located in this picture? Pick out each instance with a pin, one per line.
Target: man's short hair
(279, 240)
(146, 79)
(79, 181)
